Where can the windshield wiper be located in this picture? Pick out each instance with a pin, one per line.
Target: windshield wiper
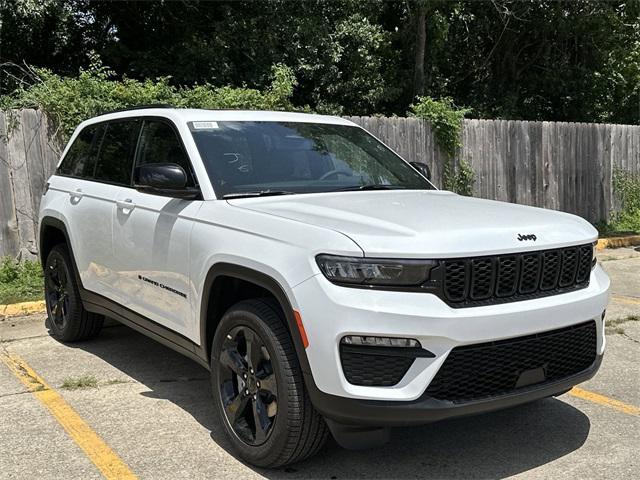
(261, 193)
(372, 186)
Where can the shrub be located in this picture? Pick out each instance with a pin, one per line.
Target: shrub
(20, 281)
(626, 189)
(96, 90)
(460, 180)
(445, 119)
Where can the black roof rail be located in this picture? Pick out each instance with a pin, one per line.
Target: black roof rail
(140, 107)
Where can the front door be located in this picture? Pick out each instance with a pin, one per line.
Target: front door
(151, 238)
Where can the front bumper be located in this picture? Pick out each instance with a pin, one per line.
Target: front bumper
(330, 312)
(425, 409)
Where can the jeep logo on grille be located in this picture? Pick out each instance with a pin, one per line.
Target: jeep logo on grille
(530, 236)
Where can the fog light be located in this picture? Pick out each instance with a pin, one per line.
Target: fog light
(380, 341)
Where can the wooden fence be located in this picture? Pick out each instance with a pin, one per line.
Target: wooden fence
(28, 157)
(563, 166)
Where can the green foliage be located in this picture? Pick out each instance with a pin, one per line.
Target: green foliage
(459, 180)
(446, 121)
(549, 60)
(20, 281)
(70, 100)
(626, 189)
(353, 74)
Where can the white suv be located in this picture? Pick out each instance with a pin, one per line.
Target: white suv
(323, 280)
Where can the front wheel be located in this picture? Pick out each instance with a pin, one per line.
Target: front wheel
(258, 388)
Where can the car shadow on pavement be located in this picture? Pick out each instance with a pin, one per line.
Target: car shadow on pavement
(493, 445)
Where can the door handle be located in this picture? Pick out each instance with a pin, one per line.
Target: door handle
(76, 194)
(126, 204)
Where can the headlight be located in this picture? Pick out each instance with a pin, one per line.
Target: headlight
(375, 271)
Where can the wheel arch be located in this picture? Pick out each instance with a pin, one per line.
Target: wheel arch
(53, 231)
(223, 271)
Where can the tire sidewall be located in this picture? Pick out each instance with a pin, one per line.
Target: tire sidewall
(60, 254)
(267, 453)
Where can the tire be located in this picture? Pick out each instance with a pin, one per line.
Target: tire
(68, 319)
(296, 431)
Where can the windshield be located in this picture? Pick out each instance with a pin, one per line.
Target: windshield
(292, 157)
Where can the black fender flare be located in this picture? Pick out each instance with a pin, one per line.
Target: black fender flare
(61, 226)
(262, 280)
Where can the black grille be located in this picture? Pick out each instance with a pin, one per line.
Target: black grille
(508, 278)
(473, 372)
(372, 370)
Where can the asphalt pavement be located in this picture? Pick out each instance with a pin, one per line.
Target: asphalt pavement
(151, 409)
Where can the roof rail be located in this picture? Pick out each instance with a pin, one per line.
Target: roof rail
(140, 107)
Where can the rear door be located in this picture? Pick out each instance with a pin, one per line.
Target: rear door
(151, 237)
(89, 204)
(110, 173)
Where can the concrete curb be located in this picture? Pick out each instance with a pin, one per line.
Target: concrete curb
(618, 242)
(24, 308)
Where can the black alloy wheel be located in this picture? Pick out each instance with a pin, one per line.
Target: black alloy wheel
(69, 321)
(57, 288)
(247, 385)
(258, 389)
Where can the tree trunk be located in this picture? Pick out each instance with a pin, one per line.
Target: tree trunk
(421, 40)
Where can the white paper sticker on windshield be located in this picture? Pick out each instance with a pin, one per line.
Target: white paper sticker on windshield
(205, 125)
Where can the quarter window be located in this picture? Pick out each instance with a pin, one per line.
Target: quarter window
(80, 158)
(115, 160)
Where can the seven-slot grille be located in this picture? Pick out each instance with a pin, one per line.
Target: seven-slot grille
(473, 372)
(512, 277)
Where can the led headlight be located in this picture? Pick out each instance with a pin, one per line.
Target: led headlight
(375, 271)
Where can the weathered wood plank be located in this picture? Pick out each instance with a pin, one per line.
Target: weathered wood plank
(22, 191)
(35, 158)
(9, 238)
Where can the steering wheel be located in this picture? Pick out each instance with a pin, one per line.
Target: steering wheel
(335, 172)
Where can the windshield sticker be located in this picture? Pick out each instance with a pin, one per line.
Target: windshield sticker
(204, 125)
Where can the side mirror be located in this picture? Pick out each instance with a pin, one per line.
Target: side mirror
(423, 168)
(167, 179)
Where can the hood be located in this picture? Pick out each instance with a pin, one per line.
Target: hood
(429, 223)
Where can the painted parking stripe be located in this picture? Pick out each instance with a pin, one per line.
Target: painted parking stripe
(606, 401)
(626, 299)
(105, 459)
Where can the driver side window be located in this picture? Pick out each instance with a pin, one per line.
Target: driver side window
(159, 143)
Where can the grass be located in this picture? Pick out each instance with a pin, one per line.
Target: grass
(83, 381)
(614, 326)
(115, 381)
(88, 381)
(20, 281)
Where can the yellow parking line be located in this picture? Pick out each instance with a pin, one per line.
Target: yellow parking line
(107, 461)
(626, 299)
(606, 401)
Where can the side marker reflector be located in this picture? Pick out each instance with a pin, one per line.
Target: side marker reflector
(303, 334)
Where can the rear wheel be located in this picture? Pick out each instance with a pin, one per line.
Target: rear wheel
(258, 388)
(68, 319)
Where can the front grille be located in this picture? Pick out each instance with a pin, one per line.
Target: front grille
(508, 278)
(473, 372)
(361, 367)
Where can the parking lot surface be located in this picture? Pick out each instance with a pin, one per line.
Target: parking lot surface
(150, 412)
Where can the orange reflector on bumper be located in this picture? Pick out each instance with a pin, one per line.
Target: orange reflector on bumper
(303, 334)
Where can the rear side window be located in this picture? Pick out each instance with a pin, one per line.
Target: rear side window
(115, 158)
(80, 158)
(159, 143)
